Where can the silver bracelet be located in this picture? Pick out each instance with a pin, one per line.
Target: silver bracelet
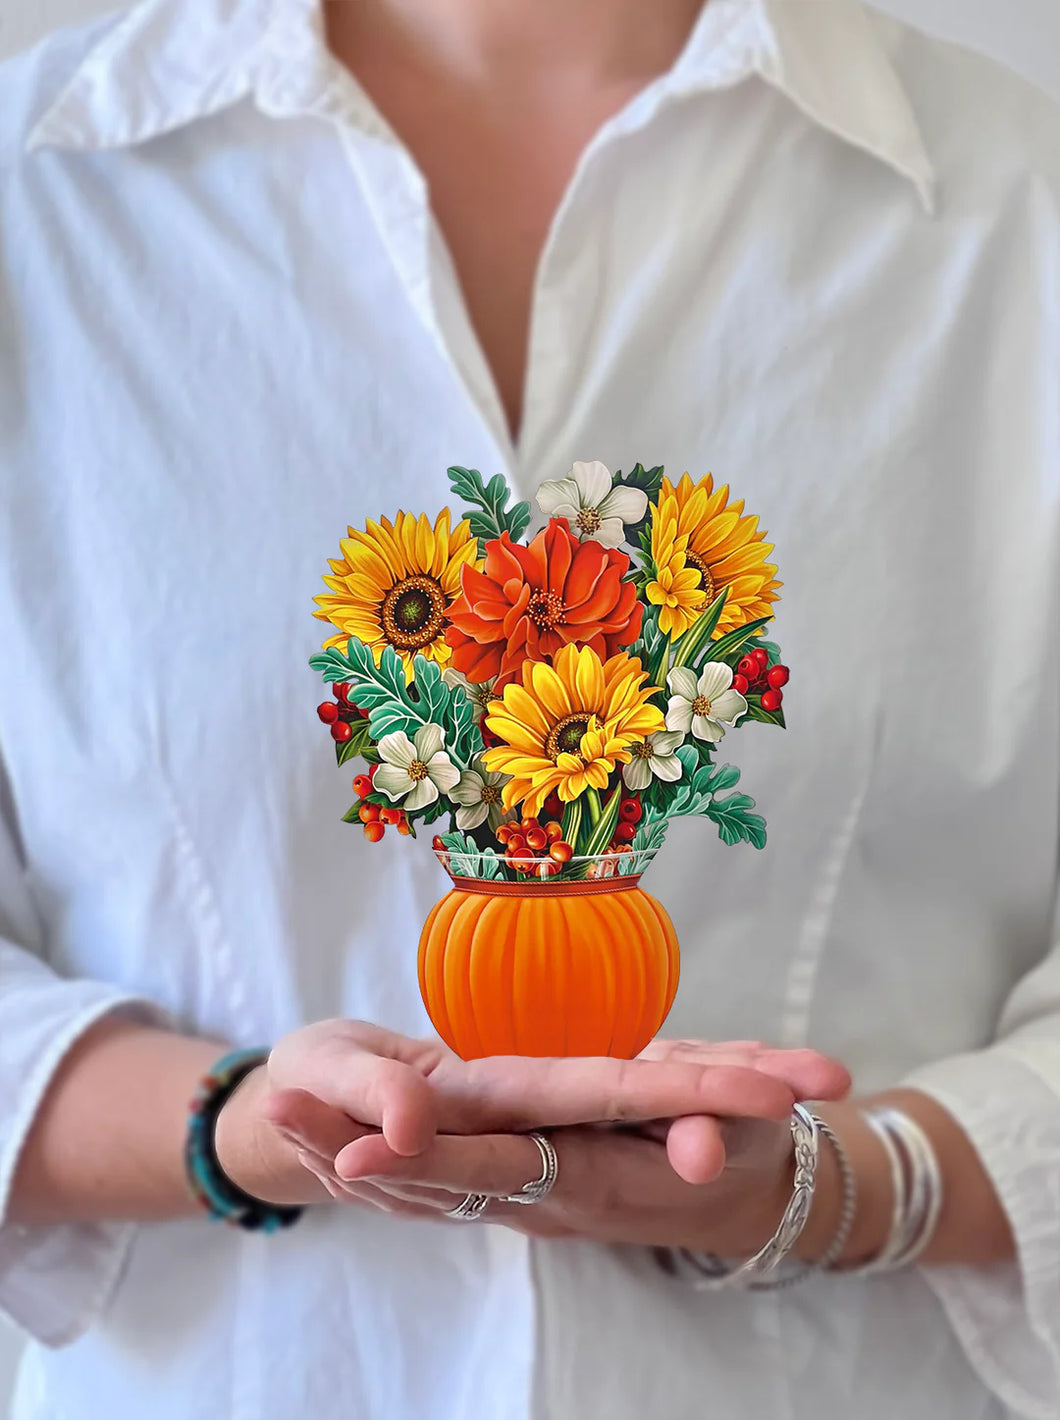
(917, 1183)
(848, 1212)
(708, 1273)
(926, 1192)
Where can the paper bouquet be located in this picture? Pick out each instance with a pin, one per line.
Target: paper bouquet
(546, 708)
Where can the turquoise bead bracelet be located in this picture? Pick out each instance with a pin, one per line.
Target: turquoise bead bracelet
(209, 1184)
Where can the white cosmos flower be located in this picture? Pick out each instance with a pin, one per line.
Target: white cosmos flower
(595, 507)
(704, 706)
(654, 756)
(479, 695)
(415, 770)
(479, 795)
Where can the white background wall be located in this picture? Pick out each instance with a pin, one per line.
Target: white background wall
(1023, 33)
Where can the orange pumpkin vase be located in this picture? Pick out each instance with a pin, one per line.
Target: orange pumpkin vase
(548, 968)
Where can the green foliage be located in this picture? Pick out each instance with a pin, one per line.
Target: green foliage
(492, 516)
(603, 828)
(730, 647)
(463, 736)
(736, 822)
(468, 860)
(649, 481)
(649, 839)
(651, 645)
(358, 746)
(766, 717)
(687, 650)
(572, 821)
(771, 649)
(695, 792)
(398, 705)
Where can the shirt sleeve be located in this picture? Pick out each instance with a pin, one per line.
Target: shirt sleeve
(55, 1280)
(1007, 1099)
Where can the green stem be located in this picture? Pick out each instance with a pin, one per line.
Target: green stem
(592, 803)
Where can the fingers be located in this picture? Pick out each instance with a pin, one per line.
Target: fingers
(310, 1122)
(696, 1149)
(517, 1093)
(809, 1074)
(372, 1075)
(484, 1163)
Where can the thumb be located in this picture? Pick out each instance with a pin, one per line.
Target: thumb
(368, 1077)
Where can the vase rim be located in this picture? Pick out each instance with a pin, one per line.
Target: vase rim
(546, 887)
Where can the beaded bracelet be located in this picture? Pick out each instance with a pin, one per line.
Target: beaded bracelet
(208, 1183)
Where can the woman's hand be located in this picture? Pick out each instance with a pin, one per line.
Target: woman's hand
(291, 1133)
(613, 1185)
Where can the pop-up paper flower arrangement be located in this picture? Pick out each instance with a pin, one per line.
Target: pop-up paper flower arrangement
(549, 707)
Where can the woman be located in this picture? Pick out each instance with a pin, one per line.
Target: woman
(269, 268)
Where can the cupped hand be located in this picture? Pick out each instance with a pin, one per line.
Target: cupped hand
(330, 1087)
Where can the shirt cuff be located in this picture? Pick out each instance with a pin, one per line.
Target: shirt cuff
(1007, 1317)
(56, 1279)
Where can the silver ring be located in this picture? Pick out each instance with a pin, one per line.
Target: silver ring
(470, 1208)
(538, 1188)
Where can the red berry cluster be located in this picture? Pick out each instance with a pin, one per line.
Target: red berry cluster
(339, 713)
(376, 817)
(630, 814)
(756, 676)
(533, 847)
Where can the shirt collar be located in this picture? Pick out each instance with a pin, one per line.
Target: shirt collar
(169, 62)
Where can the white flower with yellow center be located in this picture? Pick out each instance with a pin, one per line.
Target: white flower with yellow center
(705, 706)
(595, 507)
(415, 770)
(479, 695)
(480, 798)
(654, 757)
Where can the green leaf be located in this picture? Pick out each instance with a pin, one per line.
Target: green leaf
(572, 822)
(353, 814)
(736, 823)
(766, 717)
(688, 754)
(359, 743)
(467, 860)
(649, 481)
(649, 839)
(771, 649)
(396, 705)
(729, 647)
(490, 500)
(332, 664)
(603, 830)
(700, 632)
(463, 734)
(692, 795)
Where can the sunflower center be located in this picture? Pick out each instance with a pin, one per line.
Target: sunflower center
(588, 520)
(701, 705)
(566, 736)
(490, 794)
(417, 770)
(413, 612)
(545, 609)
(705, 573)
(644, 750)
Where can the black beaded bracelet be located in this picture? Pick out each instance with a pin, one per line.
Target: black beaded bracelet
(208, 1182)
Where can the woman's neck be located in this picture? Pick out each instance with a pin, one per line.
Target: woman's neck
(491, 41)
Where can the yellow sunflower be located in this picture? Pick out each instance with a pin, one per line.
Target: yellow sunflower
(567, 726)
(725, 547)
(394, 584)
(677, 587)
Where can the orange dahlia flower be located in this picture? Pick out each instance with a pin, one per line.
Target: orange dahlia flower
(529, 602)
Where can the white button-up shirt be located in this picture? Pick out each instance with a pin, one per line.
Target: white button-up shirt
(819, 258)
